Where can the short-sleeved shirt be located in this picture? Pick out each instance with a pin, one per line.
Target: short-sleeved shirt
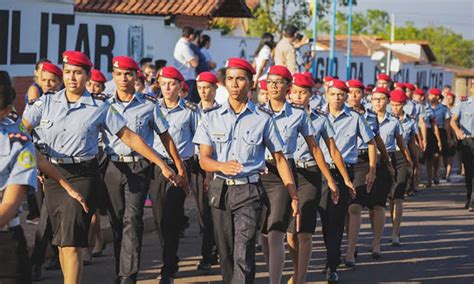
(390, 128)
(285, 55)
(202, 62)
(17, 156)
(143, 116)
(371, 118)
(264, 54)
(243, 137)
(183, 120)
(441, 113)
(291, 121)
(410, 128)
(323, 130)
(349, 126)
(465, 113)
(72, 129)
(317, 101)
(207, 54)
(428, 115)
(183, 54)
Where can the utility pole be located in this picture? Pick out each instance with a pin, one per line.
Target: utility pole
(333, 38)
(392, 39)
(315, 26)
(349, 32)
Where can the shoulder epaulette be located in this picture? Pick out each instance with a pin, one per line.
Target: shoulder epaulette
(150, 98)
(465, 98)
(100, 96)
(357, 110)
(411, 116)
(297, 106)
(265, 110)
(31, 102)
(206, 110)
(13, 115)
(320, 111)
(190, 105)
(369, 110)
(18, 137)
(50, 93)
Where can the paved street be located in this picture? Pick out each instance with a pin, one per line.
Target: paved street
(437, 246)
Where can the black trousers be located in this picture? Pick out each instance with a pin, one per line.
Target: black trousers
(208, 246)
(238, 211)
(333, 219)
(127, 187)
(467, 153)
(15, 264)
(168, 212)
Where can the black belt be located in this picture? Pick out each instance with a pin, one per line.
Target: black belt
(362, 152)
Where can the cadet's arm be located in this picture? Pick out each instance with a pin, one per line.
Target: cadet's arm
(319, 158)
(381, 147)
(424, 132)
(210, 165)
(285, 173)
(438, 136)
(337, 158)
(372, 152)
(404, 149)
(12, 197)
(413, 151)
(170, 147)
(457, 131)
(33, 93)
(448, 130)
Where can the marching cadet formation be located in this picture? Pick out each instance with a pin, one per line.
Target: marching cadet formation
(261, 172)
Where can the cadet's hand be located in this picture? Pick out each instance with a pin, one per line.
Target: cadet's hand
(265, 171)
(459, 134)
(410, 167)
(182, 180)
(351, 187)
(231, 168)
(296, 213)
(440, 146)
(170, 175)
(369, 180)
(79, 198)
(423, 147)
(207, 181)
(41, 179)
(334, 192)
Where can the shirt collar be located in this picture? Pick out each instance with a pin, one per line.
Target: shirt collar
(136, 96)
(345, 110)
(226, 107)
(86, 98)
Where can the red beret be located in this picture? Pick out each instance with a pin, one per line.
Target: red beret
(435, 91)
(240, 64)
(309, 75)
(410, 86)
(76, 58)
(125, 63)
(380, 90)
(303, 80)
(384, 77)
(328, 79)
(171, 72)
(450, 95)
(262, 84)
(207, 77)
(369, 88)
(185, 86)
(338, 84)
(51, 68)
(355, 84)
(419, 91)
(398, 96)
(400, 85)
(141, 76)
(97, 76)
(281, 71)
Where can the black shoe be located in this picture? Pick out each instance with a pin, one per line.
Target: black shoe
(325, 270)
(127, 280)
(214, 260)
(350, 264)
(204, 267)
(37, 273)
(466, 206)
(356, 252)
(332, 277)
(166, 280)
(99, 253)
(376, 255)
(436, 181)
(53, 264)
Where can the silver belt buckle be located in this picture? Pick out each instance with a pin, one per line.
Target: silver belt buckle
(230, 181)
(60, 160)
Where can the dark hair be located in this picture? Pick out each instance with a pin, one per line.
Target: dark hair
(220, 74)
(187, 31)
(447, 86)
(289, 31)
(87, 69)
(299, 36)
(265, 39)
(318, 81)
(248, 74)
(144, 61)
(7, 93)
(203, 40)
(41, 61)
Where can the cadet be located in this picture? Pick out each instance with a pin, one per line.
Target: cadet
(51, 77)
(349, 126)
(463, 114)
(96, 84)
(128, 174)
(443, 118)
(35, 91)
(70, 121)
(167, 200)
(384, 81)
(206, 84)
(391, 132)
(309, 177)
(397, 192)
(235, 152)
(291, 120)
(262, 92)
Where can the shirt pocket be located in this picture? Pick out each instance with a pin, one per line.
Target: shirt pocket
(45, 130)
(140, 125)
(177, 131)
(220, 141)
(252, 142)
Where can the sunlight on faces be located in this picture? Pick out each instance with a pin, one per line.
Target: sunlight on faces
(49, 81)
(397, 108)
(95, 87)
(355, 96)
(75, 79)
(262, 97)
(300, 95)
(124, 79)
(382, 84)
(170, 88)
(206, 90)
(379, 102)
(336, 98)
(237, 83)
(277, 87)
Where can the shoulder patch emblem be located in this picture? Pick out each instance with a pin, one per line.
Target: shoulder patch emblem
(265, 110)
(151, 98)
(463, 99)
(50, 93)
(359, 111)
(319, 110)
(100, 96)
(18, 137)
(190, 105)
(13, 116)
(26, 159)
(297, 106)
(206, 110)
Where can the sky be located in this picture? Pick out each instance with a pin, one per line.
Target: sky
(456, 14)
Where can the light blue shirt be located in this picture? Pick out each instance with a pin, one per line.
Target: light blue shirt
(409, 126)
(390, 128)
(323, 130)
(428, 115)
(242, 137)
(144, 117)
(465, 113)
(349, 126)
(317, 101)
(371, 118)
(441, 113)
(183, 121)
(72, 129)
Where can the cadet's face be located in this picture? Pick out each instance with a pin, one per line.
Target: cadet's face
(262, 97)
(49, 82)
(139, 86)
(336, 98)
(149, 73)
(418, 98)
(300, 95)
(450, 100)
(170, 88)
(379, 102)
(277, 87)
(207, 91)
(409, 93)
(237, 83)
(396, 107)
(124, 79)
(75, 79)
(382, 84)
(95, 87)
(433, 98)
(355, 96)
(183, 94)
